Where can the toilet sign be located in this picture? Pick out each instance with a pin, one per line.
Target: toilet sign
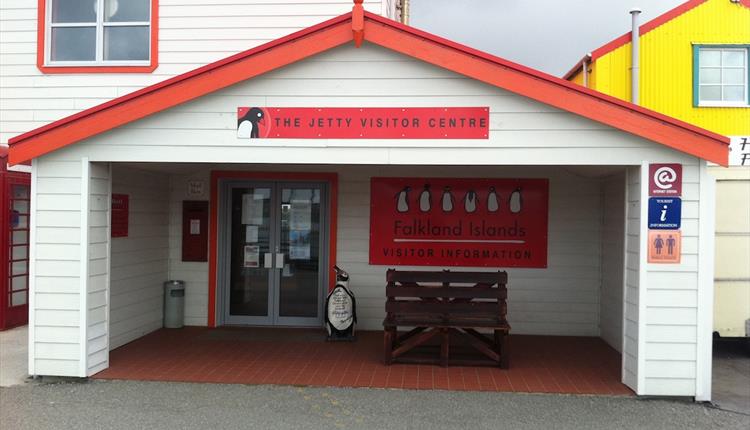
(664, 213)
(664, 246)
(665, 180)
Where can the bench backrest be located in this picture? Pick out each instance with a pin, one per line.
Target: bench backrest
(447, 294)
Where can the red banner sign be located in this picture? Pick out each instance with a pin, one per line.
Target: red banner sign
(459, 222)
(363, 123)
(120, 211)
(665, 180)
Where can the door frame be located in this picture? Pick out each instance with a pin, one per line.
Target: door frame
(329, 178)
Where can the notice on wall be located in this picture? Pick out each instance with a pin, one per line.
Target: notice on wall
(120, 214)
(300, 215)
(664, 246)
(195, 226)
(299, 244)
(195, 188)
(252, 208)
(459, 222)
(251, 256)
(251, 233)
(363, 122)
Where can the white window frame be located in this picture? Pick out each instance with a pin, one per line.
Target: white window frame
(99, 50)
(716, 103)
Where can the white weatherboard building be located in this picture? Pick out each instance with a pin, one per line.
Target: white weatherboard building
(96, 277)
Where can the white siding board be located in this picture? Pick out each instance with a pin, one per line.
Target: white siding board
(55, 367)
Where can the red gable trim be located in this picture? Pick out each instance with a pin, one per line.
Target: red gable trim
(397, 37)
(643, 29)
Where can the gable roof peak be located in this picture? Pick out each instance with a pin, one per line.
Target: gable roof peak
(389, 34)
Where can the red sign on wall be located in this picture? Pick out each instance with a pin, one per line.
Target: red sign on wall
(363, 123)
(120, 210)
(459, 222)
(665, 180)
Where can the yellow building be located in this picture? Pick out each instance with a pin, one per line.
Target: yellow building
(693, 65)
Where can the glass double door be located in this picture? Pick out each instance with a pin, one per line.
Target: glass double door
(274, 244)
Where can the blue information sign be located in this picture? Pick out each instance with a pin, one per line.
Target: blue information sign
(664, 213)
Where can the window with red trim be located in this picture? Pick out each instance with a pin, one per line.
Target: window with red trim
(98, 35)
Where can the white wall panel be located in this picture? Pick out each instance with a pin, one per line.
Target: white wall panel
(140, 260)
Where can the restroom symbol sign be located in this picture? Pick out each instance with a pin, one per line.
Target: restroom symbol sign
(664, 246)
(664, 213)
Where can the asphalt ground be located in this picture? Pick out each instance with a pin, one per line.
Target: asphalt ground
(166, 405)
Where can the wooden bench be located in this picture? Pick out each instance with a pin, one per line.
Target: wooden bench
(438, 304)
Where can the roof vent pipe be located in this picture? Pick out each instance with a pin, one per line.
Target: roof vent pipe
(404, 12)
(635, 61)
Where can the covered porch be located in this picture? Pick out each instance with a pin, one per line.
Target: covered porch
(231, 355)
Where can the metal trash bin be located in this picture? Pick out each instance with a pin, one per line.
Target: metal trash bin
(174, 304)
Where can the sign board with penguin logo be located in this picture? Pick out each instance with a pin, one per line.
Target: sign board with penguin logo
(459, 222)
(363, 122)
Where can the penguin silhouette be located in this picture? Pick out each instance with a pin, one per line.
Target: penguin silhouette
(515, 201)
(247, 126)
(492, 205)
(447, 200)
(402, 204)
(470, 201)
(425, 199)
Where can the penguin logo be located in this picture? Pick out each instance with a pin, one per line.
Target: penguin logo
(470, 201)
(248, 125)
(492, 205)
(447, 200)
(402, 197)
(515, 201)
(425, 199)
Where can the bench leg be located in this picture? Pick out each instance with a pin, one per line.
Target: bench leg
(503, 345)
(445, 347)
(388, 340)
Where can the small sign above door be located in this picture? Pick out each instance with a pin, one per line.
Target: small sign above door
(363, 123)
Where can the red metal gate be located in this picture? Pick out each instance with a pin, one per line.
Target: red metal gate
(14, 247)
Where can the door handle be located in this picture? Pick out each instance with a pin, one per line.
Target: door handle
(280, 260)
(267, 260)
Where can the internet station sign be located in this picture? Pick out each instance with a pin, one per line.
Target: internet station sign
(459, 222)
(363, 123)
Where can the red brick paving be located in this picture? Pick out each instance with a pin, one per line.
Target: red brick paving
(538, 364)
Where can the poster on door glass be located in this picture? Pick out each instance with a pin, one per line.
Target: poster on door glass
(252, 256)
(251, 233)
(300, 215)
(299, 244)
(252, 208)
